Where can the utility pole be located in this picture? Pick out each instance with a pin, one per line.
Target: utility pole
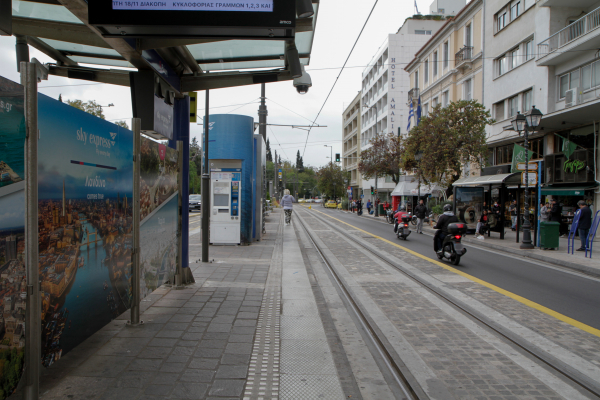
(262, 114)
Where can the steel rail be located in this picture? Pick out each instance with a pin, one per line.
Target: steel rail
(384, 354)
(557, 365)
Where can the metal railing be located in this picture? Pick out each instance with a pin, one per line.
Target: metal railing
(582, 26)
(413, 94)
(464, 54)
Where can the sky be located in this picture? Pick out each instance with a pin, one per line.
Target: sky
(338, 25)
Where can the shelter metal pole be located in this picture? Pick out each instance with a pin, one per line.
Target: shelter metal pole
(33, 331)
(179, 273)
(136, 126)
(262, 113)
(205, 206)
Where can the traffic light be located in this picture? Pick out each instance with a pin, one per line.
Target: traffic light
(337, 157)
(375, 191)
(372, 190)
(193, 106)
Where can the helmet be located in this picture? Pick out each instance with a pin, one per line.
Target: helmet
(448, 207)
(402, 208)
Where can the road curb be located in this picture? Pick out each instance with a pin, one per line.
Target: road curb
(523, 253)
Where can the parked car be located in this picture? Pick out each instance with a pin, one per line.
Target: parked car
(331, 204)
(195, 202)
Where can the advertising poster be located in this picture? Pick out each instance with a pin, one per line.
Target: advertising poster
(85, 188)
(12, 236)
(469, 205)
(159, 215)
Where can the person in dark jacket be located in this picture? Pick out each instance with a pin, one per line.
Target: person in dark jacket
(444, 220)
(513, 214)
(420, 212)
(585, 223)
(496, 209)
(556, 216)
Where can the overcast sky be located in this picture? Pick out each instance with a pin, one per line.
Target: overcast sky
(338, 25)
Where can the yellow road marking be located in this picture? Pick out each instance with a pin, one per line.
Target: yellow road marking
(520, 299)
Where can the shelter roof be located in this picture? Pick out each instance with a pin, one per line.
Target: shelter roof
(60, 29)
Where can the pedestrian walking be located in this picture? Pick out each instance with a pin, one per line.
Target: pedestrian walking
(287, 202)
(544, 212)
(420, 212)
(369, 206)
(585, 223)
(513, 214)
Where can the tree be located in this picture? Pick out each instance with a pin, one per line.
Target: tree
(60, 97)
(299, 161)
(269, 154)
(382, 158)
(91, 107)
(449, 137)
(331, 180)
(122, 124)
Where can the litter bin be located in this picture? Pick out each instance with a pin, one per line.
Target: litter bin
(381, 212)
(549, 234)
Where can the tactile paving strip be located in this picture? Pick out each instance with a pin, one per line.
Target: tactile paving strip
(264, 373)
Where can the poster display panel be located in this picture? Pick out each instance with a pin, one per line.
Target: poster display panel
(159, 220)
(12, 236)
(85, 187)
(469, 205)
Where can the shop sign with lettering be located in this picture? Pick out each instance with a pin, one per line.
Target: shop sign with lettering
(573, 165)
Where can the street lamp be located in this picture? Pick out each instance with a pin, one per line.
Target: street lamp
(331, 158)
(523, 124)
(376, 205)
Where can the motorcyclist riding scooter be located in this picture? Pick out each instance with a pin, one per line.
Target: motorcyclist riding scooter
(446, 241)
(401, 219)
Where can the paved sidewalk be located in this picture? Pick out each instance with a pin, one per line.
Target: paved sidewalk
(560, 257)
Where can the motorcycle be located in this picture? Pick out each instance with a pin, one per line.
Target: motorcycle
(403, 231)
(452, 248)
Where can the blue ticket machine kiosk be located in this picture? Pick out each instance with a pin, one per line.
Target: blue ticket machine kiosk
(225, 219)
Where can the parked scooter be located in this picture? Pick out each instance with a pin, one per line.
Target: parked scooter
(403, 231)
(452, 248)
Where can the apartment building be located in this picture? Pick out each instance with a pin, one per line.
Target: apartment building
(449, 67)
(385, 85)
(545, 54)
(351, 144)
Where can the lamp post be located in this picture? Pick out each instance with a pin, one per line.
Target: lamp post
(523, 124)
(331, 158)
(376, 207)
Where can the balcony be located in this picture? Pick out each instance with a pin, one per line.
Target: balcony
(581, 35)
(413, 94)
(464, 58)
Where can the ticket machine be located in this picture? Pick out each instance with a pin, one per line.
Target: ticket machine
(225, 204)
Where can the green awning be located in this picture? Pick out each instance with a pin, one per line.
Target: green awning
(566, 191)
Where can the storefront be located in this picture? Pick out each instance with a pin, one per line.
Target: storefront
(406, 192)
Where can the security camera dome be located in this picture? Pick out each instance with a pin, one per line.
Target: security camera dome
(303, 83)
(302, 89)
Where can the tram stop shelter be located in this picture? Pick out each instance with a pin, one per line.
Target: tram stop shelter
(162, 65)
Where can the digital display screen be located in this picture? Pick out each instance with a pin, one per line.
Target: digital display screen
(178, 5)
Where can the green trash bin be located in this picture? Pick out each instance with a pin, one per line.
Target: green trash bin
(549, 234)
(381, 212)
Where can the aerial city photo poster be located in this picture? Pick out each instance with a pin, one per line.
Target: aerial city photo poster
(159, 211)
(12, 236)
(85, 188)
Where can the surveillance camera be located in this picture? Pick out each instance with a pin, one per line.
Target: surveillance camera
(303, 83)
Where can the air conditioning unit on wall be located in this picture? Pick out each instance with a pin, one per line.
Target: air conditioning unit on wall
(572, 97)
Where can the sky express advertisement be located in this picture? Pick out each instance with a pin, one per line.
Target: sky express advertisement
(85, 186)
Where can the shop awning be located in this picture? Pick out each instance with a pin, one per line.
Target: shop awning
(566, 191)
(508, 179)
(411, 188)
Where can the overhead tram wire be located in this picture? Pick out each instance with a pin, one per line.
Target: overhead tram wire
(338, 77)
(308, 119)
(280, 148)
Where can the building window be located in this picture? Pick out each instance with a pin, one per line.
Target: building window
(502, 65)
(499, 111)
(500, 20)
(513, 106)
(422, 32)
(425, 109)
(445, 98)
(441, 10)
(564, 85)
(446, 51)
(527, 100)
(586, 77)
(514, 58)
(467, 90)
(468, 40)
(515, 10)
(529, 50)
(435, 63)
(434, 102)
(504, 154)
(426, 71)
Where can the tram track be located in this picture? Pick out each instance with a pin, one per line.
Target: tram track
(588, 385)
